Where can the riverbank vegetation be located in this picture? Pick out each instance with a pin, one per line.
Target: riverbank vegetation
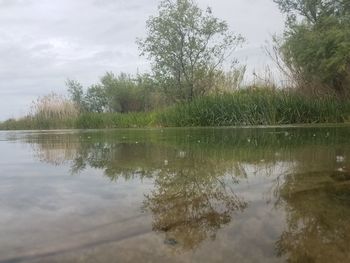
(196, 81)
(244, 107)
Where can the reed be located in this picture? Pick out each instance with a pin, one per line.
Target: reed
(256, 107)
(252, 106)
(53, 111)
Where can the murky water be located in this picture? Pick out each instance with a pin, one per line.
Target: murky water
(176, 195)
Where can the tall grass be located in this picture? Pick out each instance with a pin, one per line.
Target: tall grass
(49, 112)
(53, 106)
(244, 107)
(25, 123)
(256, 107)
(53, 111)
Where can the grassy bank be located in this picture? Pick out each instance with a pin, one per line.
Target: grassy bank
(83, 121)
(256, 107)
(245, 107)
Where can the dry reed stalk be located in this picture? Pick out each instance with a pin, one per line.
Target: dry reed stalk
(53, 106)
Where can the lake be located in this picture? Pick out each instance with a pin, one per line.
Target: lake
(274, 194)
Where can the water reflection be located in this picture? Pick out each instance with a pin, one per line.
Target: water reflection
(192, 197)
(197, 174)
(318, 213)
(190, 203)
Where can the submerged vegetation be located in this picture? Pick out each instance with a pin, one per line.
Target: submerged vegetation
(195, 80)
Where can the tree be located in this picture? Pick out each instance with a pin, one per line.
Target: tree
(314, 10)
(316, 42)
(76, 93)
(96, 99)
(186, 44)
(123, 93)
(117, 93)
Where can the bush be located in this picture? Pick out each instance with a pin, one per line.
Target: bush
(316, 44)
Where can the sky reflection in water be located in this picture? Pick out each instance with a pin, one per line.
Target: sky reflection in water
(176, 195)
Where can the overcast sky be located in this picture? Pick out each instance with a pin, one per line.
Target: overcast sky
(44, 42)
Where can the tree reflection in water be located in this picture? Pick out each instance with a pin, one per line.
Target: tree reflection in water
(192, 197)
(191, 204)
(317, 202)
(195, 171)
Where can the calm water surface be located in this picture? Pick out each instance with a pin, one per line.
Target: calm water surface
(176, 195)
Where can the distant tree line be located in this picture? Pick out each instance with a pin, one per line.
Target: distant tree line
(142, 93)
(117, 93)
(191, 55)
(190, 51)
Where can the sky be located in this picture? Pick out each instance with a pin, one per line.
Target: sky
(45, 42)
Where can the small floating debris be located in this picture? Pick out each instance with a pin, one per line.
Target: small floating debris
(286, 134)
(166, 162)
(340, 159)
(170, 242)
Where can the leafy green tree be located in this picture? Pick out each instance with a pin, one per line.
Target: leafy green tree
(186, 44)
(153, 97)
(76, 93)
(117, 93)
(122, 92)
(316, 42)
(313, 11)
(96, 99)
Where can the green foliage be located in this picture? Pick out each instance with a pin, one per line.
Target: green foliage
(255, 107)
(186, 45)
(317, 46)
(321, 53)
(25, 123)
(227, 81)
(152, 95)
(118, 93)
(76, 93)
(96, 99)
(313, 11)
(123, 94)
